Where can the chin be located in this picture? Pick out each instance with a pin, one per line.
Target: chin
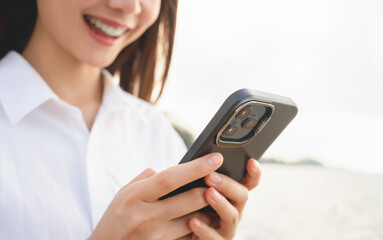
(100, 59)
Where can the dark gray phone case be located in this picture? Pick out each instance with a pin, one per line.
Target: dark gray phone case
(235, 159)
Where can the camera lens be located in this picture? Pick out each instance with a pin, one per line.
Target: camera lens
(230, 130)
(250, 123)
(244, 113)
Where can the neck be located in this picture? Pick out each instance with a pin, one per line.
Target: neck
(75, 82)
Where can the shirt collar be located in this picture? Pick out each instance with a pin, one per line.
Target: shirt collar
(22, 90)
(114, 98)
(21, 87)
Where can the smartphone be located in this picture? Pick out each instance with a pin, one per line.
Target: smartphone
(244, 127)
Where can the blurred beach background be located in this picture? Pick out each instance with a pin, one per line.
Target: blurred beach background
(323, 177)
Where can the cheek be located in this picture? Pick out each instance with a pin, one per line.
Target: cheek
(64, 22)
(151, 10)
(149, 14)
(62, 13)
(63, 27)
(61, 20)
(54, 15)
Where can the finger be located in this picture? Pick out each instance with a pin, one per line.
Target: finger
(145, 174)
(194, 237)
(177, 176)
(183, 203)
(179, 227)
(187, 237)
(229, 215)
(253, 176)
(231, 189)
(203, 231)
(191, 236)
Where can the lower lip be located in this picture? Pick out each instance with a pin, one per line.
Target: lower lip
(108, 41)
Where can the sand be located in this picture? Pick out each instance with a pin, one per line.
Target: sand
(310, 203)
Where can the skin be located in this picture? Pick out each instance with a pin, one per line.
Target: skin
(176, 217)
(70, 60)
(228, 198)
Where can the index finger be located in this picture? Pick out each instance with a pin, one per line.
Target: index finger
(179, 175)
(145, 174)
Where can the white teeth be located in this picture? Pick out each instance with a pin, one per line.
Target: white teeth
(108, 30)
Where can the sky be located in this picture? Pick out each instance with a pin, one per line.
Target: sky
(326, 55)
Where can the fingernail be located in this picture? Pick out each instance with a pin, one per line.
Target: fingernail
(197, 224)
(256, 166)
(214, 159)
(215, 178)
(216, 196)
(253, 163)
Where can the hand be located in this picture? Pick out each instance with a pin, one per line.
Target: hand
(228, 198)
(136, 212)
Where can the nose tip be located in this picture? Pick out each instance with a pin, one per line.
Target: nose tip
(128, 6)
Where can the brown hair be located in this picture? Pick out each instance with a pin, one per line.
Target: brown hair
(142, 66)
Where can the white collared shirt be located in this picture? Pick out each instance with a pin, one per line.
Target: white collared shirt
(56, 178)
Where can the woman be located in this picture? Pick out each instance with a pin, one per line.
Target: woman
(72, 139)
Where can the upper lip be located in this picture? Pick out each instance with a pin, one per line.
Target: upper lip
(108, 21)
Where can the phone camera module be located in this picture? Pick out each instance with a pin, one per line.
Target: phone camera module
(230, 130)
(250, 123)
(244, 124)
(244, 113)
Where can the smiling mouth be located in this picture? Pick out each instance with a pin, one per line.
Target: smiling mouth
(100, 27)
